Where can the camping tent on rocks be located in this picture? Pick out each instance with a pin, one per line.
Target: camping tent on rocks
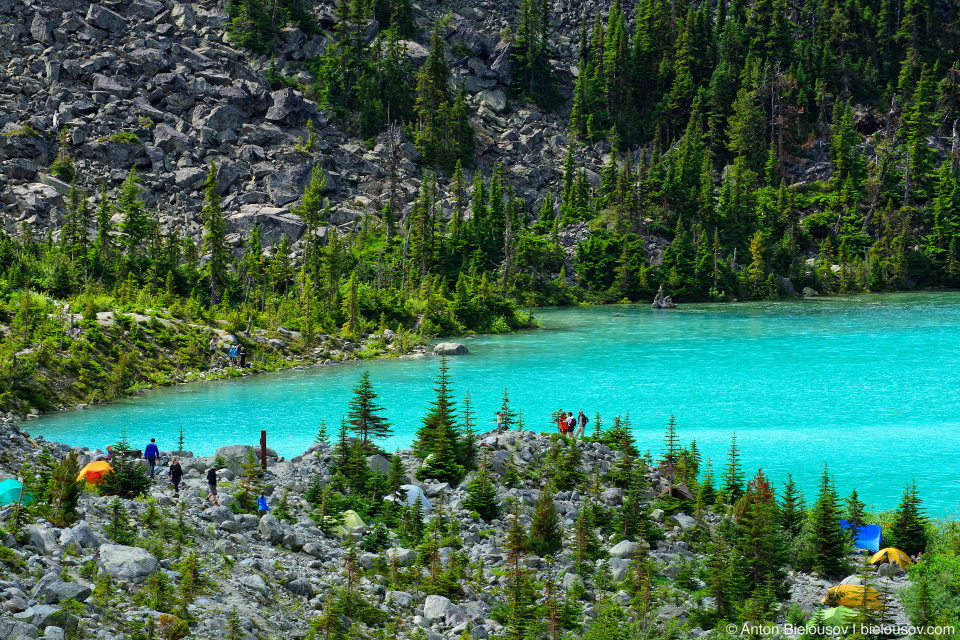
(414, 493)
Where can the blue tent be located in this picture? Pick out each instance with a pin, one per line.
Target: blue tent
(868, 538)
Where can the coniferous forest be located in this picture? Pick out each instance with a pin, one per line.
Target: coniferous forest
(719, 151)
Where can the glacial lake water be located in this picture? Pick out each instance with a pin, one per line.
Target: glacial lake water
(873, 390)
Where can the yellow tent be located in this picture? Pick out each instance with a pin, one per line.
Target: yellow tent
(94, 471)
(350, 520)
(893, 556)
(851, 595)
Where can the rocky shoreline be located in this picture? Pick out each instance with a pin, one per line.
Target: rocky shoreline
(276, 577)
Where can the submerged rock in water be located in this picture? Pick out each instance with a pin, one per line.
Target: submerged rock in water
(450, 349)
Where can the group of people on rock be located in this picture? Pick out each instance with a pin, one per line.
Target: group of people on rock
(571, 426)
(237, 355)
(175, 475)
(568, 425)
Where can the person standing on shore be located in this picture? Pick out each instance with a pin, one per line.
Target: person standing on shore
(151, 454)
(242, 354)
(499, 422)
(176, 475)
(212, 485)
(213, 349)
(582, 421)
(571, 423)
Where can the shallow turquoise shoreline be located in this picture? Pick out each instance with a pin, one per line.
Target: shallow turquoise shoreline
(801, 382)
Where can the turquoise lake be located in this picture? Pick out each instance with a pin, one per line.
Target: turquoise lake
(871, 389)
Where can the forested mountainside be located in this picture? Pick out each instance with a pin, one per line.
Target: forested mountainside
(347, 168)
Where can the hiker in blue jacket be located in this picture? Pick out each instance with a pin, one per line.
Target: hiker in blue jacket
(151, 454)
(262, 506)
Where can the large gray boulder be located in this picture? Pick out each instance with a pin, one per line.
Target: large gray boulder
(494, 100)
(120, 87)
(234, 456)
(300, 587)
(16, 630)
(379, 464)
(84, 535)
(270, 529)
(288, 183)
(50, 615)
(51, 589)
(169, 139)
(148, 61)
(223, 118)
(145, 9)
(290, 109)
(43, 539)
(450, 349)
(274, 224)
(218, 515)
(625, 550)
(256, 583)
(42, 28)
(102, 18)
(686, 522)
(190, 178)
(129, 563)
(887, 570)
(400, 598)
(439, 608)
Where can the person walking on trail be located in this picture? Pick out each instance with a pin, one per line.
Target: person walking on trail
(571, 423)
(176, 475)
(262, 506)
(582, 421)
(152, 454)
(213, 349)
(212, 485)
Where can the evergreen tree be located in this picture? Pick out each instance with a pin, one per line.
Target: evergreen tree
(440, 418)
(733, 475)
(363, 413)
(482, 495)
(65, 489)
(135, 224)
(826, 542)
(441, 463)
(908, 531)
(791, 508)
(855, 516)
(760, 544)
(545, 536)
(508, 417)
(215, 239)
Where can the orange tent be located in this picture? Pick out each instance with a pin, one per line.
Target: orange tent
(850, 595)
(94, 471)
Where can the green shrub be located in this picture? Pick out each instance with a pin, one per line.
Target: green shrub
(125, 137)
(63, 169)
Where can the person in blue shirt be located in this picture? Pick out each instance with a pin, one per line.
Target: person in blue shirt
(262, 506)
(151, 454)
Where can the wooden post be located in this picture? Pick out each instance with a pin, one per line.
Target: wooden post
(263, 448)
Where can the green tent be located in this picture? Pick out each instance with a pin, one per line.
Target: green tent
(838, 616)
(10, 492)
(351, 520)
